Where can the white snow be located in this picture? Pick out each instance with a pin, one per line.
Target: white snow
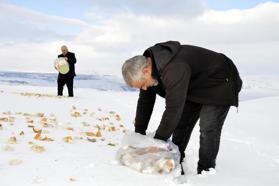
(249, 152)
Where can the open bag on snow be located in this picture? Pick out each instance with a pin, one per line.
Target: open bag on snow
(148, 155)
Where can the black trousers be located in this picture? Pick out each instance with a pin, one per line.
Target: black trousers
(69, 81)
(212, 118)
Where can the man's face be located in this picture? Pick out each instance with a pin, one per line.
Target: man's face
(148, 81)
(64, 50)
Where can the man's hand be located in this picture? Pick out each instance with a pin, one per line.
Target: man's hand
(159, 137)
(66, 58)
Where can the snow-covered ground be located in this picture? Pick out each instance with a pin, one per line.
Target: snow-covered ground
(51, 141)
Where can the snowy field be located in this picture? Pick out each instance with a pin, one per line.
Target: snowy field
(51, 141)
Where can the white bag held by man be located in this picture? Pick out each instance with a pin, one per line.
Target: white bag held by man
(148, 155)
(61, 65)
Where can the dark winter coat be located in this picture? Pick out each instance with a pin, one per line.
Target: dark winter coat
(71, 60)
(186, 73)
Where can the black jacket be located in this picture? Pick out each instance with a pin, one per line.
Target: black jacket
(186, 73)
(71, 60)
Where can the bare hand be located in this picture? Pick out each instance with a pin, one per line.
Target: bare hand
(66, 58)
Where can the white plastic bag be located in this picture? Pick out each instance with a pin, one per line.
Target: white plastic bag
(148, 155)
(61, 65)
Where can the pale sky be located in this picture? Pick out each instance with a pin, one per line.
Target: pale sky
(104, 33)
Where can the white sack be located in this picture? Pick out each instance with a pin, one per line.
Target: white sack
(148, 155)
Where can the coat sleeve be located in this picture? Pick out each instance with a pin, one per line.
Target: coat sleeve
(144, 109)
(72, 59)
(176, 80)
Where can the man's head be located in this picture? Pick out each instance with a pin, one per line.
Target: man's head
(64, 49)
(137, 71)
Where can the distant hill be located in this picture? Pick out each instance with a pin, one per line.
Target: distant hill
(253, 86)
(99, 82)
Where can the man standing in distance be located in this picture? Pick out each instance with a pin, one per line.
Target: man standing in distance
(67, 78)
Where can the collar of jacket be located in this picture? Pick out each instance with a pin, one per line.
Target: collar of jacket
(154, 72)
(162, 53)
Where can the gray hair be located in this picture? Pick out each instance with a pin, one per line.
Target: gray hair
(132, 69)
(64, 46)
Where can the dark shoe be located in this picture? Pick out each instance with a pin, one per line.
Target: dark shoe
(208, 170)
(205, 166)
(200, 170)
